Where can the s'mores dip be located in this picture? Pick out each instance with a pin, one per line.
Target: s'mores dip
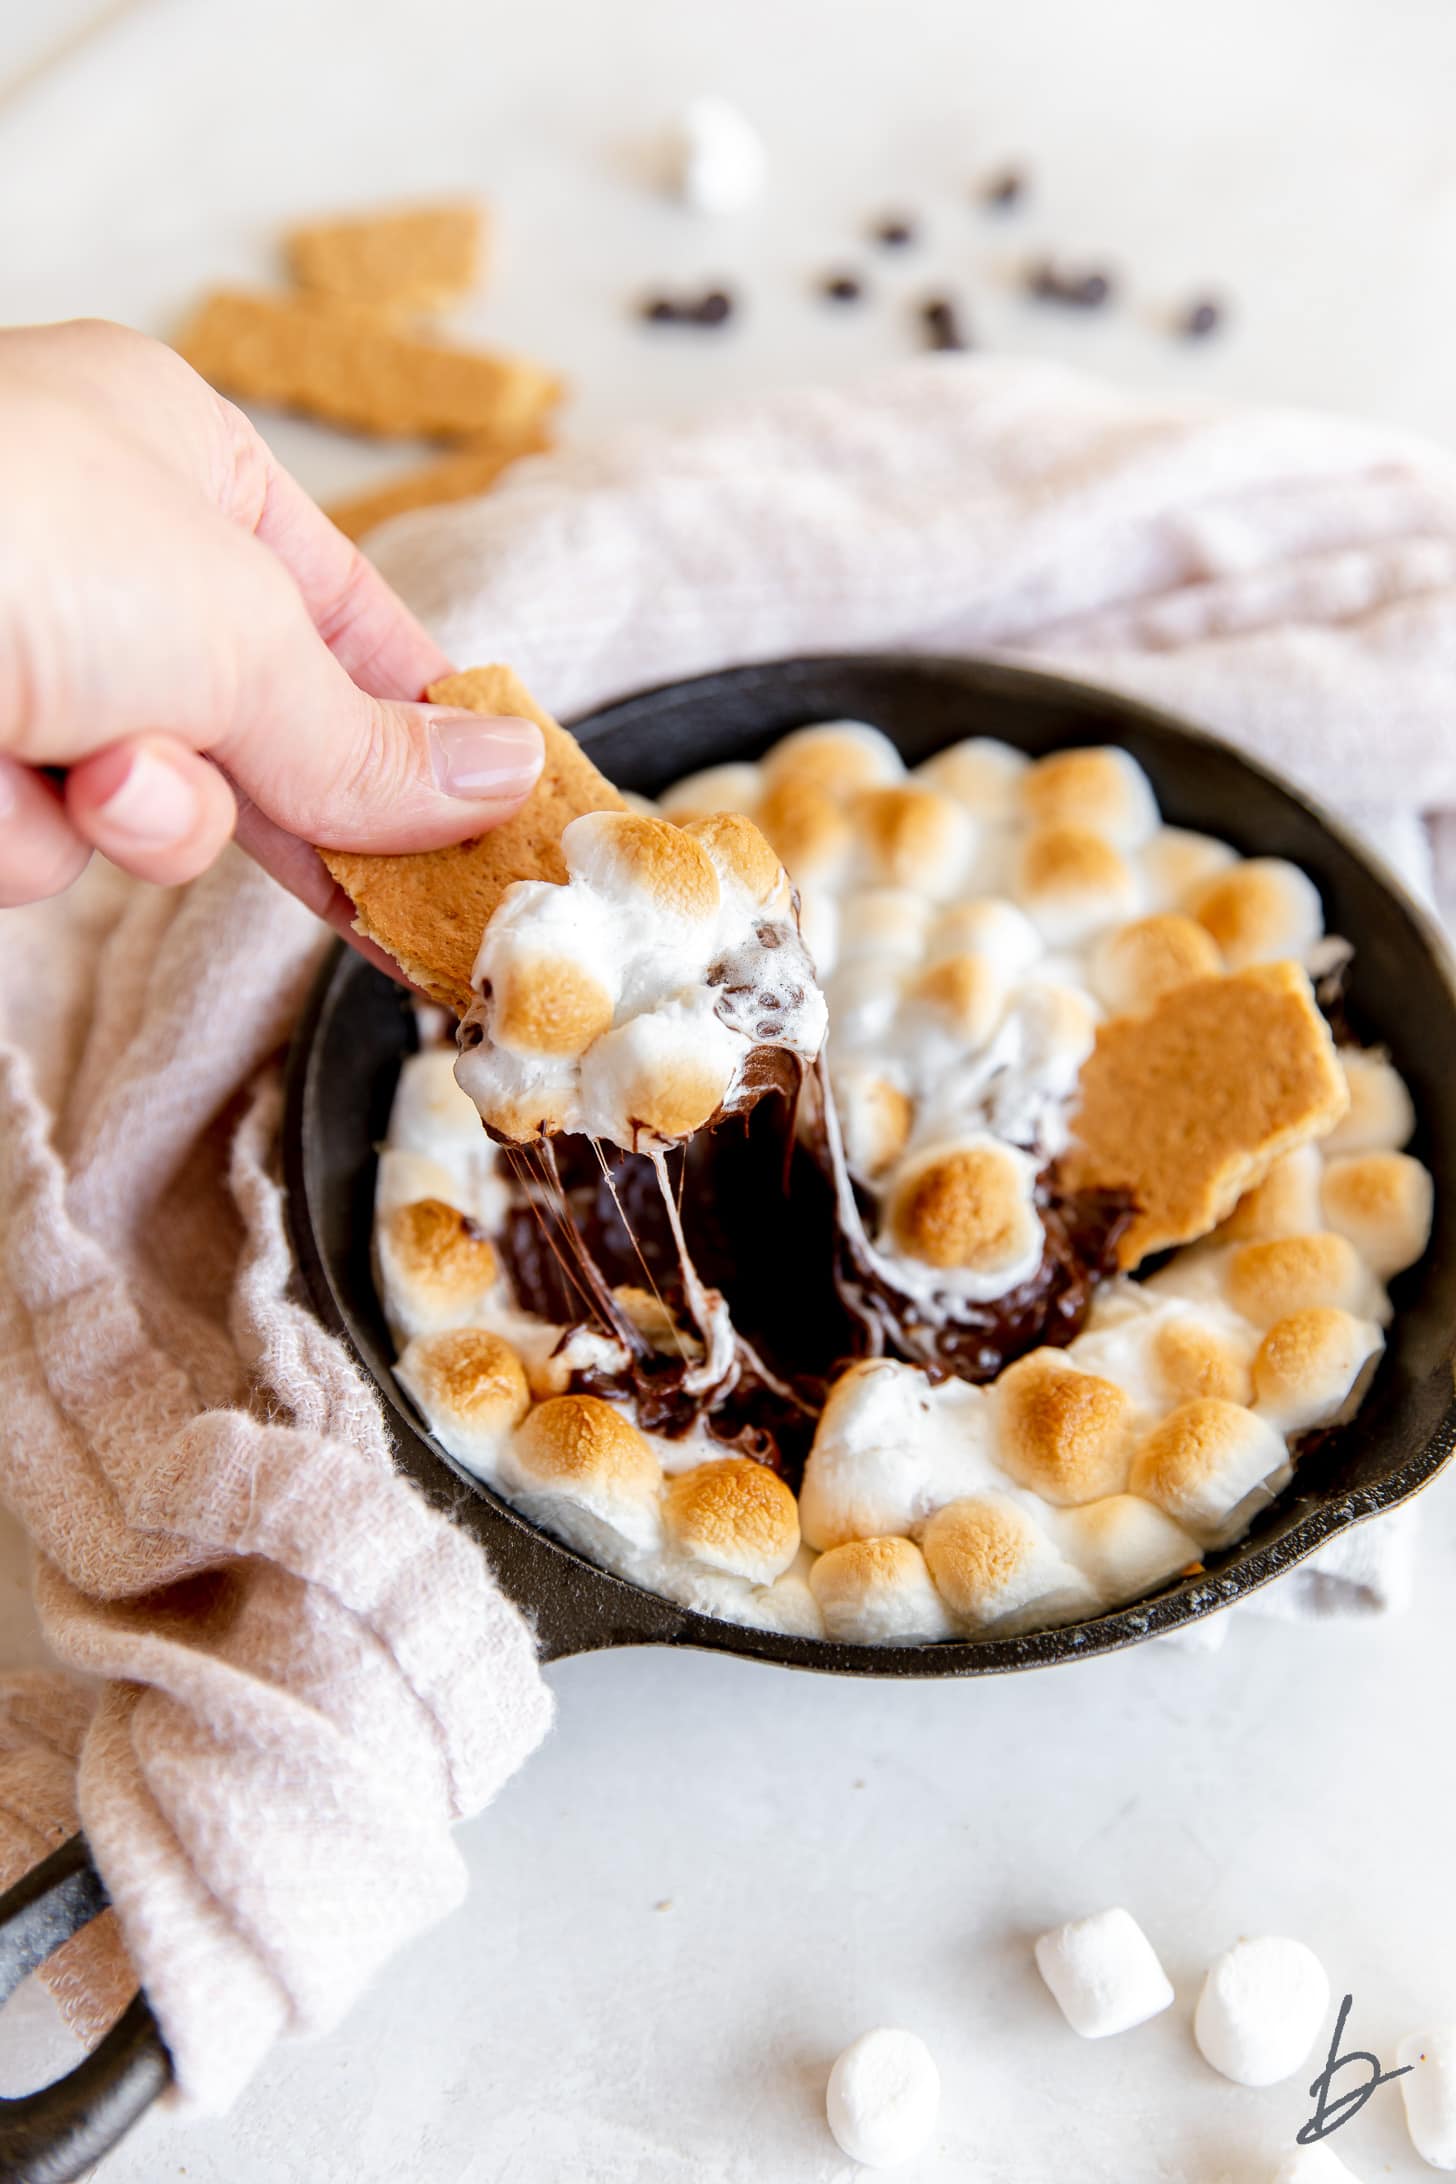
(912, 1204)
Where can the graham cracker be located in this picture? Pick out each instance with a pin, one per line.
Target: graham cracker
(428, 909)
(413, 258)
(332, 360)
(1190, 1105)
(428, 485)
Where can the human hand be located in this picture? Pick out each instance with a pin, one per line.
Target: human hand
(189, 649)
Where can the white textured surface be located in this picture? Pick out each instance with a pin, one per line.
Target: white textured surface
(834, 1855)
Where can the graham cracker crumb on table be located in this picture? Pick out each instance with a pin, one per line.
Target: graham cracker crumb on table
(335, 361)
(410, 258)
(1190, 1105)
(428, 910)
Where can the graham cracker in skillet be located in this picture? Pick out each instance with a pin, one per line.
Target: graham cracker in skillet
(429, 485)
(414, 258)
(333, 360)
(429, 909)
(1190, 1105)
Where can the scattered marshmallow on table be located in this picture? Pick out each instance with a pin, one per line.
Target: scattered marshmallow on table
(715, 157)
(1313, 2165)
(1261, 2009)
(1104, 1973)
(883, 2098)
(1429, 2092)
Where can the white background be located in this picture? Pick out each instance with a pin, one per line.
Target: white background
(716, 1874)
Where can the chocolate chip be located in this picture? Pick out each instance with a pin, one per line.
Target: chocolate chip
(1054, 284)
(841, 288)
(1005, 189)
(895, 233)
(660, 311)
(943, 328)
(770, 1001)
(1203, 317)
(713, 309)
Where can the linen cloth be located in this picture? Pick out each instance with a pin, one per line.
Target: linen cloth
(302, 1676)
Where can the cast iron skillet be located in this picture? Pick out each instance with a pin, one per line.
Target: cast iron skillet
(346, 1056)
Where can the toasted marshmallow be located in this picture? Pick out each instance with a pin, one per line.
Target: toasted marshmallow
(882, 921)
(437, 1266)
(839, 756)
(1290, 1273)
(969, 1208)
(582, 1467)
(1176, 863)
(1286, 1203)
(1104, 791)
(402, 1178)
(1065, 1434)
(810, 831)
(1384, 1203)
(874, 1117)
(1125, 1546)
(998, 1572)
(982, 774)
(547, 1004)
(888, 1449)
(1072, 883)
(1312, 1367)
(431, 1115)
(1136, 964)
(960, 998)
(1262, 910)
(1429, 2092)
(1210, 1465)
(863, 996)
(649, 860)
(878, 1592)
(1104, 1973)
(1380, 1117)
(736, 1515)
(883, 2098)
(989, 927)
(1261, 2010)
(819, 924)
(470, 1387)
(741, 856)
(661, 1076)
(911, 836)
(1189, 1357)
(717, 788)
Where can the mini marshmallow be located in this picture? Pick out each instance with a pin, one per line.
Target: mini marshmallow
(1135, 965)
(715, 157)
(1380, 1117)
(660, 1076)
(649, 861)
(1384, 1203)
(862, 998)
(431, 1115)
(809, 830)
(1429, 2093)
(1262, 910)
(1312, 1367)
(878, 1592)
(874, 1116)
(998, 1572)
(1316, 2164)
(969, 1210)
(882, 921)
(911, 836)
(470, 1387)
(1103, 1973)
(889, 1448)
(580, 1466)
(1293, 1273)
(1261, 2009)
(1176, 863)
(1125, 1546)
(840, 756)
(883, 2098)
(734, 787)
(1072, 884)
(401, 1178)
(1065, 1434)
(1286, 1203)
(735, 1515)
(1209, 1465)
(1104, 790)
(438, 1268)
(983, 774)
(1188, 1357)
(957, 1000)
(988, 927)
(819, 925)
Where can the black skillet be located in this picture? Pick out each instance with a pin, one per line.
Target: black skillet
(346, 1056)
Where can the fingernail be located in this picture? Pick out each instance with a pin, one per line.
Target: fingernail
(154, 804)
(485, 760)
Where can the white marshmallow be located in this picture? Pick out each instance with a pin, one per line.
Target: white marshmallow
(1261, 2009)
(987, 926)
(883, 2098)
(882, 921)
(1380, 1117)
(715, 156)
(1176, 862)
(889, 1449)
(735, 787)
(1316, 2164)
(981, 772)
(402, 1179)
(1104, 1973)
(1125, 1546)
(1429, 2092)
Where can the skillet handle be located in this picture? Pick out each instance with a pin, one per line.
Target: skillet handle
(57, 2132)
